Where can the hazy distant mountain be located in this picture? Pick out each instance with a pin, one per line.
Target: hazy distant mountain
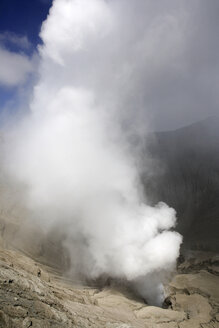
(187, 178)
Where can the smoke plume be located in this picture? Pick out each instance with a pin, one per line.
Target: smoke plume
(72, 150)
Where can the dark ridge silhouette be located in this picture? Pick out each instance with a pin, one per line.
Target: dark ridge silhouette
(187, 178)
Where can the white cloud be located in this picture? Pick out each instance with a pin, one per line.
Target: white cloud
(83, 20)
(18, 40)
(14, 68)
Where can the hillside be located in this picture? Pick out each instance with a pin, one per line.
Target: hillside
(187, 178)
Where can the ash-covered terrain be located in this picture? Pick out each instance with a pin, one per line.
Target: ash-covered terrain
(36, 295)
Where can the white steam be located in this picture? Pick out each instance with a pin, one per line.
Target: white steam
(73, 154)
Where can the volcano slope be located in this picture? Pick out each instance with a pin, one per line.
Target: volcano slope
(33, 294)
(186, 177)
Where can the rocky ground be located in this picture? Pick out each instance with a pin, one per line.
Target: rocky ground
(34, 295)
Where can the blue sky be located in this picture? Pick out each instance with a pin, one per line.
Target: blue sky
(180, 89)
(20, 22)
(23, 17)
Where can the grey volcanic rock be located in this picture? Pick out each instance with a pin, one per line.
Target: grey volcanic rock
(195, 290)
(50, 299)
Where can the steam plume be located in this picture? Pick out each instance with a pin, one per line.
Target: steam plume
(73, 154)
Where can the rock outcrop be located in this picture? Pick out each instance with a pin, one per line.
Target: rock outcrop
(36, 295)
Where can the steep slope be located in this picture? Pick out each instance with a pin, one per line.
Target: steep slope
(187, 178)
